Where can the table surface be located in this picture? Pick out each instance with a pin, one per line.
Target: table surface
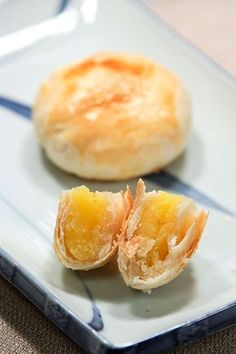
(211, 26)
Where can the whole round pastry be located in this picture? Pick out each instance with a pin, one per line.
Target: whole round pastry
(112, 117)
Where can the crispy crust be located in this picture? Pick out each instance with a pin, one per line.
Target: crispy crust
(131, 253)
(102, 117)
(120, 204)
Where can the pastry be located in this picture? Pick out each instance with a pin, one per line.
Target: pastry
(160, 236)
(87, 226)
(112, 117)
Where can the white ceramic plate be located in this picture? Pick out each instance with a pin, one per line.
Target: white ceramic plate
(15, 15)
(96, 309)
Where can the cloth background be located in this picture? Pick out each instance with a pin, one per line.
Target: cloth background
(210, 25)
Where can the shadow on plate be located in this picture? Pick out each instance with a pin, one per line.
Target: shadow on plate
(167, 299)
(52, 179)
(105, 282)
(191, 160)
(106, 285)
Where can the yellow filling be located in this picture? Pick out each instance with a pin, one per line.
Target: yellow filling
(158, 221)
(85, 231)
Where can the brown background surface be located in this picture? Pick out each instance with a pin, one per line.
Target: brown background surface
(211, 25)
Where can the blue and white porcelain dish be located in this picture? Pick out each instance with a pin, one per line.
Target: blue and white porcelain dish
(95, 308)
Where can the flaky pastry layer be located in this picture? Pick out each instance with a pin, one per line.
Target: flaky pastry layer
(147, 262)
(112, 116)
(118, 206)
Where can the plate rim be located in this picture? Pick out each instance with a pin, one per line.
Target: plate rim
(193, 330)
(175, 336)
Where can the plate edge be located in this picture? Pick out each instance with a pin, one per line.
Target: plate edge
(50, 305)
(65, 320)
(202, 327)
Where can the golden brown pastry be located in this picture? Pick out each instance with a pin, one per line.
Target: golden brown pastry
(160, 236)
(87, 226)
(112, 117)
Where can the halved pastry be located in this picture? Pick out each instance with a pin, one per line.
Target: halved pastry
(87, 226)
(159, 238)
